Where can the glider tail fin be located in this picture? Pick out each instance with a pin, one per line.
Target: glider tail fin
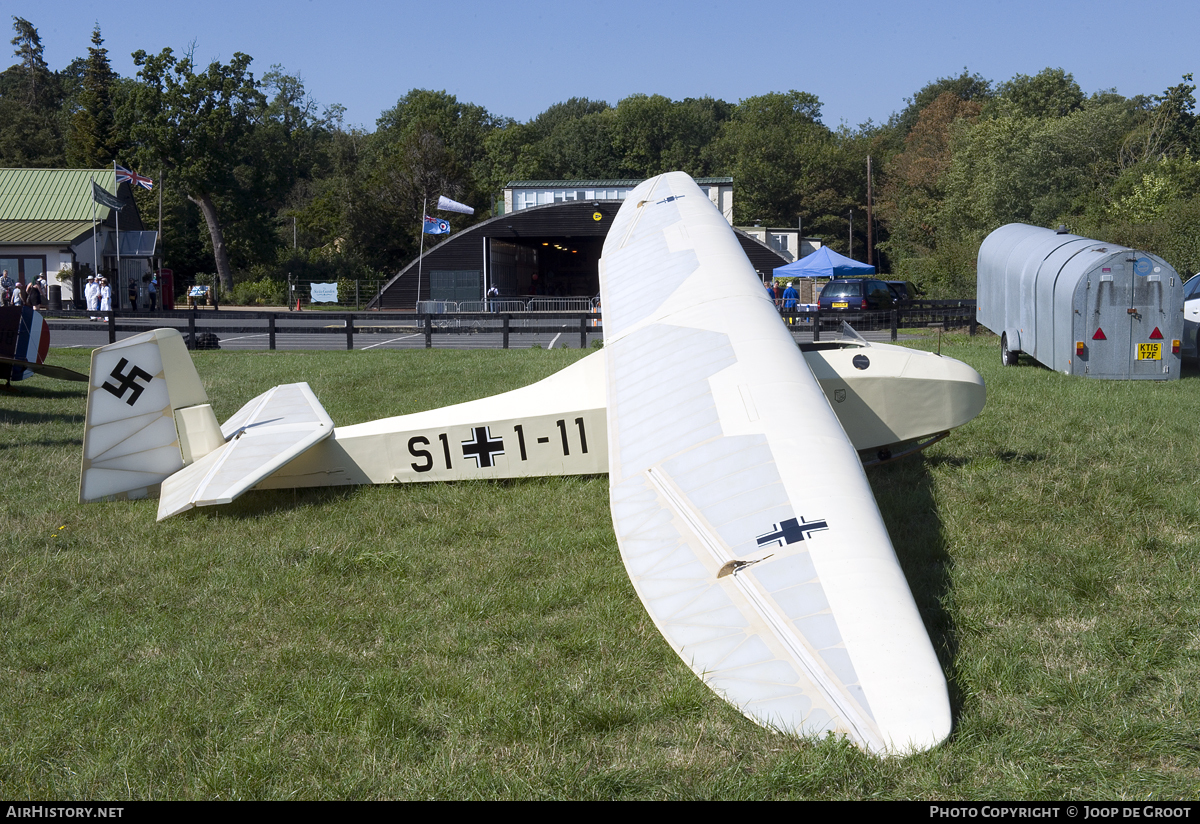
(147, 417)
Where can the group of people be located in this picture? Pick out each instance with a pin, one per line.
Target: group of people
(784, 299)
(14, 293)
(98, 293)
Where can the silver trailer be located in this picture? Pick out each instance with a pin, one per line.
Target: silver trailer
(1080, 306)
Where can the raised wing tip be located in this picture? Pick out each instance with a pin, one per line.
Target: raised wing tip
(705, 391)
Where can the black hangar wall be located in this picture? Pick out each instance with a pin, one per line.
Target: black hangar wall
(551, 250)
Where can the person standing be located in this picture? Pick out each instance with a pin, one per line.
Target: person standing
(33, 295)
(105, 296)
(133, 290)
(152, 293)
(790, 297)
(91, 293)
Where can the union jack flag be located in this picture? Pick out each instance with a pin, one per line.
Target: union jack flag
(126, 176)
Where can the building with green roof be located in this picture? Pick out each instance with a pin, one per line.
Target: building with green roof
(50, 224)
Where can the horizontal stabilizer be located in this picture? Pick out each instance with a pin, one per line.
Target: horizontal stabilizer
(264, 435)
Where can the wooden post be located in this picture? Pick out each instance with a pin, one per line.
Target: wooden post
(350, 332)
(271, 332)
(506, 319)
(428, 331)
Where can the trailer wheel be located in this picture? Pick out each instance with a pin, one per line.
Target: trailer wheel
(1007, 356)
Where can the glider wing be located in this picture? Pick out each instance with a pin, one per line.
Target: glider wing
(740, 506)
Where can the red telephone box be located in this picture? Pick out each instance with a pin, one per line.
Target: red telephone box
(166, 289)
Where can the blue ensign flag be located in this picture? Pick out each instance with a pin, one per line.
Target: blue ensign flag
(436, 226)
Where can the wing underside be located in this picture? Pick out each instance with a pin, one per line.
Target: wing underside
(742, 512)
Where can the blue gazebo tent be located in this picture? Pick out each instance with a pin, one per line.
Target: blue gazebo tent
(824, 263)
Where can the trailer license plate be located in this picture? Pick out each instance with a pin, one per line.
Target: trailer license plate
(842, 305)
(1149, 351)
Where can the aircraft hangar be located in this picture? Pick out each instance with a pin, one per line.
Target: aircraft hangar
(546, 244)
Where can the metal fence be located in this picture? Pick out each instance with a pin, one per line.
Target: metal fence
(352, 293)
(444, 307)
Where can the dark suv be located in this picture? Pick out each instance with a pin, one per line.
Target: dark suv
(905, 291)
(856, 295)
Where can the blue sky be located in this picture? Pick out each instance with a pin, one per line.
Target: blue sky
(862, 59)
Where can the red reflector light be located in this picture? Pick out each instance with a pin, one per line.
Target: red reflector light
(1099, 334)
(864, 303)
(1174, 347)
(1156, 335)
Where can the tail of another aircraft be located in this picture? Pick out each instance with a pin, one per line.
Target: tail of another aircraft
(147, 417)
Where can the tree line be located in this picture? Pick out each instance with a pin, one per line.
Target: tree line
(259, 181)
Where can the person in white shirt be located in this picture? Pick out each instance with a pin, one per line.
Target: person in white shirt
(105, 296)
(91, 293)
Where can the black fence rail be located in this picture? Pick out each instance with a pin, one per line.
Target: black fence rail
(919, 314)
(195, 325)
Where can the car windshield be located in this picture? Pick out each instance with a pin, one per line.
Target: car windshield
(842, 289)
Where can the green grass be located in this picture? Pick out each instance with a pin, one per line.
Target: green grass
(481, 640)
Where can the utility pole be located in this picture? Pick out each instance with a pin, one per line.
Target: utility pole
(870, 216)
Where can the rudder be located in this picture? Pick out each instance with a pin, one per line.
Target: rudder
(147, 417)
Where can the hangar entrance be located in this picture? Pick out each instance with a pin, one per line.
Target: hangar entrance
(546, 266)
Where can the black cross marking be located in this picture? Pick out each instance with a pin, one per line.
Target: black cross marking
(127, 381)
(791, 531)
(483, 447)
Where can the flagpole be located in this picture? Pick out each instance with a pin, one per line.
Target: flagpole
(159, 238)
(95, 253)
(421, 254)
(117, 186)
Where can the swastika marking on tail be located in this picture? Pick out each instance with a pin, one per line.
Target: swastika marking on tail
(127, 381)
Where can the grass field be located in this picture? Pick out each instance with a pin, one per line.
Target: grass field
(481, 640)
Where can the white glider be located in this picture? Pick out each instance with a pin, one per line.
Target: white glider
(738, 494)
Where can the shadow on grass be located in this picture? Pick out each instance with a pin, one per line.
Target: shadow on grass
(34, 391)
(257, 504)
(20, 418)
(46, 442)
(1005, 457)
(904, 492)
